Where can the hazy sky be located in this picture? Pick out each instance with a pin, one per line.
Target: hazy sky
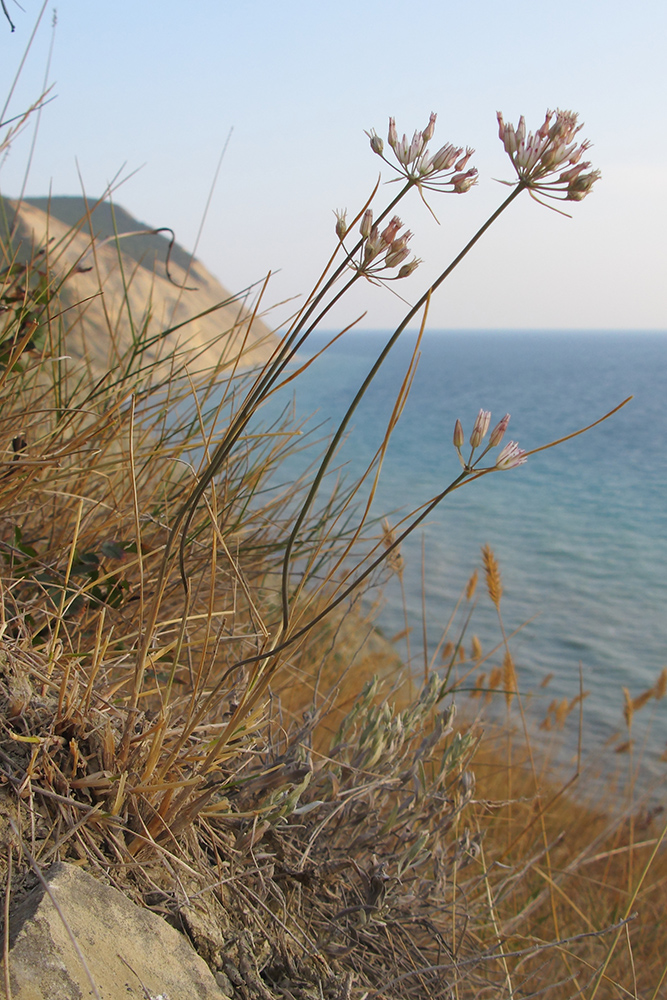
(158, 86)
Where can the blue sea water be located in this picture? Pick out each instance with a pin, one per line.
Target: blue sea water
(580, 531)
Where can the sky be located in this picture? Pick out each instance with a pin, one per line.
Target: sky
(150, 92)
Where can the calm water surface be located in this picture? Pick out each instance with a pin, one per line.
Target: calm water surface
(580, 531)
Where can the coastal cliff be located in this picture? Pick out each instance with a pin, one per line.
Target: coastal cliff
(113, 287)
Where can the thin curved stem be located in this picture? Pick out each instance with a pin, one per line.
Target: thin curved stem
(335, 441)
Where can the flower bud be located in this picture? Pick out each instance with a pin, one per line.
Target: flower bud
(415, 147)
(463, 162)
(377, 144)
(458, 435)
(446, 157)
(498, 431)
(581, 185)
(543, 130)
(396, 256)
(407, 269)
(341, 224)
(463, 182)
(481, 427)
(366, 223)
(389, 234)
(430, 128)
(521, 130)
(392, 138)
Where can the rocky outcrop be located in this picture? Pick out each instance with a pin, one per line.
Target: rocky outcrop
(124, 950)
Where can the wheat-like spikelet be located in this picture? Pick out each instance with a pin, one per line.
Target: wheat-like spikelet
(546, 721)
(479, 685)
(447, 651)
(493, 581)
(660, 688)
(628, 708)
(495, 678)
(561, 712)
(475, 649)
(509, 677)
(394, 559)
(471, 586)
(642, 698)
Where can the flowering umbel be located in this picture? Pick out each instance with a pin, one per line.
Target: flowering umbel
(510, 456)
(550, 160)
(444, 170)
(381, 250)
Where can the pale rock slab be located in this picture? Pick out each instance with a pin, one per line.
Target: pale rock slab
(108, 928)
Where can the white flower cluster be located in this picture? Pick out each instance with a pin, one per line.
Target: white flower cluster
(550, 160)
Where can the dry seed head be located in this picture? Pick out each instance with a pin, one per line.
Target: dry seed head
(495, 678)
(493, 580)
(641, 699)
(660, 686)
(462, 653)
(476, 691)
(472, 587)
(561, 712)
(509, 677)
(394, 559)
(476, 649)
(628, 708)
(447, 651)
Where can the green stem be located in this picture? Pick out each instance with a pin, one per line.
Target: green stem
(335, 441)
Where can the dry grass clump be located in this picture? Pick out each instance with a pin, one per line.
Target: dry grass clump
(168, 763)
(185, 700)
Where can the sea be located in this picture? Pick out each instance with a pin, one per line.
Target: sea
(579, 531)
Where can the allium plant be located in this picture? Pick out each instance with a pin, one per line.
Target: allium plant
(510, 456)
(444, 170)
(549, 162)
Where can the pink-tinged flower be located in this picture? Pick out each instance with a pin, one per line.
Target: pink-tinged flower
(482, 422)
(498, 431)
(549, 160)
(459, 438)
(511, 456)
(383, 251)
(389, 234)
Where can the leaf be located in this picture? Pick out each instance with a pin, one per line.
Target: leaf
(113, 550)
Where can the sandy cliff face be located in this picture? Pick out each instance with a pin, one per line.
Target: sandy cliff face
(110, 290)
